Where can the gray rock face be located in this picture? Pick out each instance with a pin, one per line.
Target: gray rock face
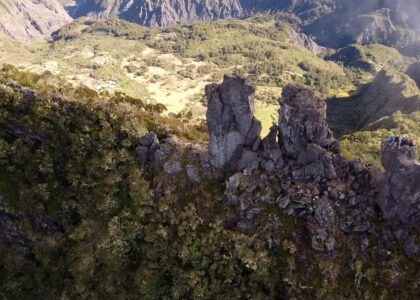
(302, 40)
(315, 162)
(305, 136)
(31, 20)
(146, 152)
(230, 119)
(399, 197)
(149, 139)
(173, 12)
(192, 174)
(303, 121)
(271, 156)
(160, 13)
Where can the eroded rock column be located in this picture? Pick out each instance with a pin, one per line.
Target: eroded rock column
(231, 122)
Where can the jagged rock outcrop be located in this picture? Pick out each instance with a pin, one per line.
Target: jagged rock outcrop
(234, 143)
(303, 121)
(231, 122)
(400, 193)
(305, 136)
(30, 20)
(302, 40)
(297, 167)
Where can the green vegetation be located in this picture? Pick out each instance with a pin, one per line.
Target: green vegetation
(370, 58)
(86, 224)
(387, 106)
(172, 65)
(73, 165)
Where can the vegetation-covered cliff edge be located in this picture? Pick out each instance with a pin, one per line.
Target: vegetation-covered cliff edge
(93, 205)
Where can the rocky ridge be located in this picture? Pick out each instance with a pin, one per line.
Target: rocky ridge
(297, 167)
(170, 12)
(332, 225)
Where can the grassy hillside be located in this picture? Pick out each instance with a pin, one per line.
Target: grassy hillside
(172, 65)
(391, 91)
(370, 58)
(388, 106)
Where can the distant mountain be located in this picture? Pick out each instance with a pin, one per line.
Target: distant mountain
(392, 23)
(31, 19)
(334, 23)
(172, 12)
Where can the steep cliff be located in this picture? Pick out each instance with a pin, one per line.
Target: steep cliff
(30, 20)
(161, 13)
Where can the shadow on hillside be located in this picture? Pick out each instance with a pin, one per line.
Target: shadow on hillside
(343, 114)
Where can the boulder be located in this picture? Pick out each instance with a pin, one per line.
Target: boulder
(143, 155)
(192, 174)
(146, 152)
(399, 196)
(149, 139)
(28, 96)
(172, 167)
(231, 122)
(249, 160)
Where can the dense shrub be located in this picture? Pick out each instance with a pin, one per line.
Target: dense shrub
(73, 165)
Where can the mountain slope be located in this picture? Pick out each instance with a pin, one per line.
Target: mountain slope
(390, 92)
(31, 19)
(335, 23)
(172, 65)
(365, 22)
